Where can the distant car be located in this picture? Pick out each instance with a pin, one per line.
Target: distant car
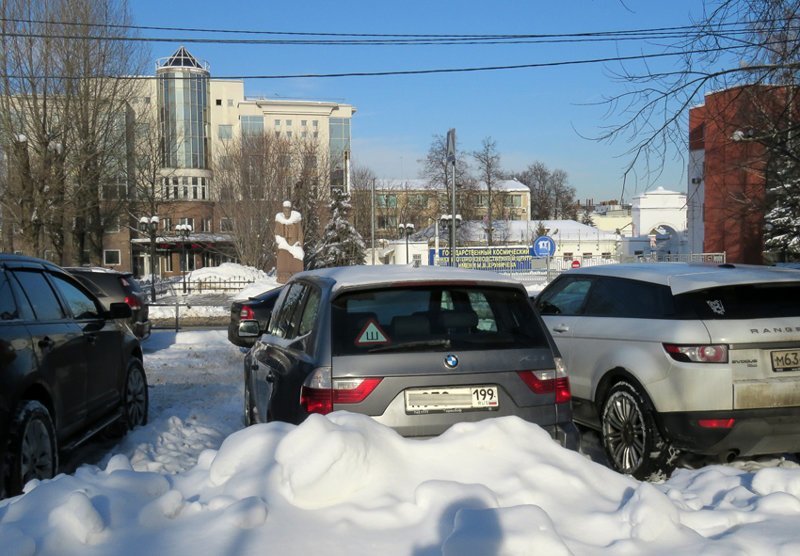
(417, 349)
(257, 310)
(111, 286)
(672, 356)
(68, 369)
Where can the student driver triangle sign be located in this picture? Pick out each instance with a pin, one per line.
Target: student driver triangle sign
(372, 334)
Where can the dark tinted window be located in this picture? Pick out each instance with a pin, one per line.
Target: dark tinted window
(288, 315)
(8, 308)
(91, 286)
(41, 296)
(752, 301)
(81, 305)
(618, 297)
(434, 318)
(310, 312)
(566, 296)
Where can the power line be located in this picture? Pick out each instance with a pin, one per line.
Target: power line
(419, 72)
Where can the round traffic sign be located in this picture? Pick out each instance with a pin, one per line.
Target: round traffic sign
(576, 264)
(544, 246)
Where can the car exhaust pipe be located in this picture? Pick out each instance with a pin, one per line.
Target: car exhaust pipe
(729, 456)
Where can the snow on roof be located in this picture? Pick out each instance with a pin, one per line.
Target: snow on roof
(422, 184)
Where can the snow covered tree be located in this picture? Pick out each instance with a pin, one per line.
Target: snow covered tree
(586, 218)
(782, 220)
(341, 244)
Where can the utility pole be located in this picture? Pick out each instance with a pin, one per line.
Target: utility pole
(451, 159)
(372, 221)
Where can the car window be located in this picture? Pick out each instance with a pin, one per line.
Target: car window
(473, 318)
(745, 301)
(40, 295)
(310, 312)
(81, 305)
(623, 298)
(8, 308)
(286, 323)
(91, 286)
(566, 296)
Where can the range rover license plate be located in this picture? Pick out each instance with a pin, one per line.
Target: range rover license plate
(786, 361)
(421, 401)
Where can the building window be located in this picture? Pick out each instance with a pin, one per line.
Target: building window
(203, 191)
(315, 124)
(289, 134)
(225, 225)
(288, 123)
(225, 131)
(185, 221)
(386, 201)
(205, 225)
(230, 102)
(303, 123)
(513, 201)
(316, 134)
(166, 263)
(387, 222)
(219, 102)
(482, 200)
(277, 123)
(117, 189)
(112, 225)
(111, 257)
(304, 134)
(252, 125)
(166, 223)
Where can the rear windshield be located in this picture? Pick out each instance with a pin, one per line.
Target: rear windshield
(433, 318)
(751, 301)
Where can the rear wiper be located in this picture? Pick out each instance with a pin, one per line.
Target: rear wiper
(408, 346)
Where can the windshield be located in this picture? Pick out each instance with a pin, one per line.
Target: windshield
(433, 318)
(748, 301)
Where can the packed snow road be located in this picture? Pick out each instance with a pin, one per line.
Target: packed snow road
(191, 482)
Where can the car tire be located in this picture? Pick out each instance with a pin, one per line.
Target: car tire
(32, 447)
(135, 401)
(630, 436)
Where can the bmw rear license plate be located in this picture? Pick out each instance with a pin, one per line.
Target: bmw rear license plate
(421, 401)
(786, 361)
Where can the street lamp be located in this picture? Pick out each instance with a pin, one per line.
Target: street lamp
(407, 230)
(183, 231)
(149, 226)
(451, 223)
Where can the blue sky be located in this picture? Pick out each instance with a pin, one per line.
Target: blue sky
(533, 114)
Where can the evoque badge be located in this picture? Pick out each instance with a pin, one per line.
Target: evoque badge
(451, 361)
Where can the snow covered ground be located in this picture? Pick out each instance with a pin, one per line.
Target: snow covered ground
(194, 482)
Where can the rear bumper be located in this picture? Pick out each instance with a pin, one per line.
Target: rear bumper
(755, 431)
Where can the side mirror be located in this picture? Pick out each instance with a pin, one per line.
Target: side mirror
(249, 329)
(119, 311)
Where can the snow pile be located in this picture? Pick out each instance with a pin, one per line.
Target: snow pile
(192, 482)
(226, 271)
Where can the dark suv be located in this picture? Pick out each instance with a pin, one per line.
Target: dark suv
(111, 286)
(68, 369)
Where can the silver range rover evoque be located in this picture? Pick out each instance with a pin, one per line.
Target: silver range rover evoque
(671, 357)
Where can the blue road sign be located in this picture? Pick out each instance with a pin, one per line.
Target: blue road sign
(544, 246)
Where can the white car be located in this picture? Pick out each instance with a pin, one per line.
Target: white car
(672, 357)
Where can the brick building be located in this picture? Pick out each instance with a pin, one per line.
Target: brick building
(728, 170)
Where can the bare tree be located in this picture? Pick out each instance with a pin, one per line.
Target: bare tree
(63, 119)
(487, 160)
(435, 169)
(736, 42)
(362, 181)
(551, 195)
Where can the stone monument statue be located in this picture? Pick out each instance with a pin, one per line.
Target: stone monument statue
(289, 240)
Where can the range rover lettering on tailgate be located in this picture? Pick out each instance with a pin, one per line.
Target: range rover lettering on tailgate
(416, 349)
(671, 356)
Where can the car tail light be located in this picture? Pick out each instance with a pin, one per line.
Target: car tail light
(716, 423)
(708, 353)
(133, 302)
(545, 382)
(247, 313)
(319, 392)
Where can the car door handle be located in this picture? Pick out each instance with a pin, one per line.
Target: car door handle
(46, 343)
(561, 328)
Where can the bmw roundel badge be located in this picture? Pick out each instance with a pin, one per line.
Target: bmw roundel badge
(451, 361)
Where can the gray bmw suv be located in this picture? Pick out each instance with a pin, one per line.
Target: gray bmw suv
(417, 349)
